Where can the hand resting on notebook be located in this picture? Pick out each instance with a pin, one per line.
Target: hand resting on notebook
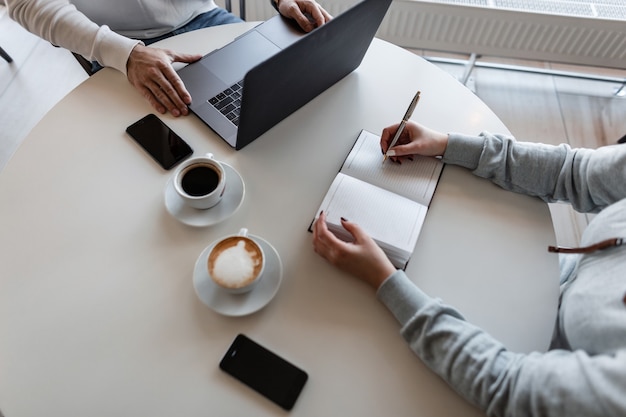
(362, 258)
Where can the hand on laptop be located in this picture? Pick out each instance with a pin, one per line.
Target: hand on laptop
(307, 13)
(150, 71)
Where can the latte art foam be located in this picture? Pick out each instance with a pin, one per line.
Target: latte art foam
(235, 263)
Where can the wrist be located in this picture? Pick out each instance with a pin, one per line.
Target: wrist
(443, 141)
(384, 272)
(384, 276)
(133, 53)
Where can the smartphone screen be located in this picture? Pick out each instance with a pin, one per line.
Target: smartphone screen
(163, 145)
(264, 371)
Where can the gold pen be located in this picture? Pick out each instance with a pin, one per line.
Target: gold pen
(405, 119)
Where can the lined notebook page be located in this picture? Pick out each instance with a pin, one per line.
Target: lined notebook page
(393, 221)
(415, 179)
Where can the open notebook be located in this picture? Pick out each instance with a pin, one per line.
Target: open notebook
(388, 200)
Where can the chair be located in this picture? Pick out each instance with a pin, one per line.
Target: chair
(86, 64)
(242, 8)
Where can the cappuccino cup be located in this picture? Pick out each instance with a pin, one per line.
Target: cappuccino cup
(200, 182)
(236, 263)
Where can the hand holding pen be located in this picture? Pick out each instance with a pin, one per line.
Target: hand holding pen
(415, 139)
(407, 116)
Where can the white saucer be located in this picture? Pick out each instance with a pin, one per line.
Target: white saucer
(229, 304)
(231, 201)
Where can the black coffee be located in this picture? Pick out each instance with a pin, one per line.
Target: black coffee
(200, 180)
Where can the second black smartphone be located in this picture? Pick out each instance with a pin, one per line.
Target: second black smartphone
(161, 142)
(264, 371)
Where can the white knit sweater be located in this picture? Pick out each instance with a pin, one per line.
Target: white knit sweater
(103, 30)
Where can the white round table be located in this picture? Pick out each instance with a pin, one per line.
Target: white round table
(98, 314)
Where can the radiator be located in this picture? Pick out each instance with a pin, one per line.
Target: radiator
(573, 32)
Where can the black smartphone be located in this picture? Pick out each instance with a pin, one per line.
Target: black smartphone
(264, 371)
(161, 142)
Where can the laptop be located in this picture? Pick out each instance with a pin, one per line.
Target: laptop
(248, 86)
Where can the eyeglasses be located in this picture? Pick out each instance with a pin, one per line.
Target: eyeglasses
(605, 244)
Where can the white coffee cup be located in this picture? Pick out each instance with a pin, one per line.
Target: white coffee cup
(200, 182)
(235, 263)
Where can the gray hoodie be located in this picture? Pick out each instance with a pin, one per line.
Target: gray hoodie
(584, 372)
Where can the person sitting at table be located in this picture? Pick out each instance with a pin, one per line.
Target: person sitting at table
(82, 26)
(584, 371)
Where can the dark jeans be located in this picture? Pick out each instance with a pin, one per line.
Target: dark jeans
(213, 18)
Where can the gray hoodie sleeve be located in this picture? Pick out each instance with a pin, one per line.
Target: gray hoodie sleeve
(500, 382)
(588, 179)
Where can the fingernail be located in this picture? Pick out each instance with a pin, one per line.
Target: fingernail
(343, 219)
(391, 152)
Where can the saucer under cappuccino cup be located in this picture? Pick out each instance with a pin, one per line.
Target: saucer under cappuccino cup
(200, 182)
(235, 263)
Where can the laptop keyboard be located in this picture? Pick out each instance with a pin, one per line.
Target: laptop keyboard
(228, 102)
